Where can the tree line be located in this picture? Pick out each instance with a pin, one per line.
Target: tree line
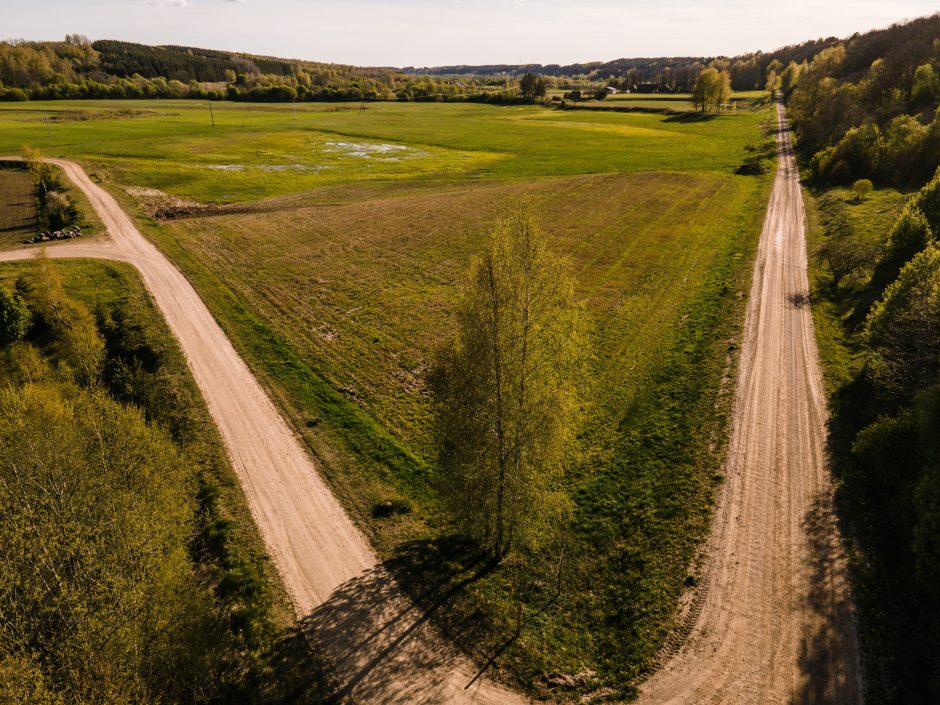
(675, 74)
(77, 68)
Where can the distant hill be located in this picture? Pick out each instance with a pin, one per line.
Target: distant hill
(748, 71)
(78, 68)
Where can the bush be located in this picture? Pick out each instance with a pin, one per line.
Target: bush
(13, 95)
(903, 329)
(910, 234)
(928, 201)
(861, 190)
(855, 155)
(14, 317)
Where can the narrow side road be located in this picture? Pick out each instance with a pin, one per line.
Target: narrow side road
(773, 622)
(382, 647)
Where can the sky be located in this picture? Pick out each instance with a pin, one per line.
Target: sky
(445, 32)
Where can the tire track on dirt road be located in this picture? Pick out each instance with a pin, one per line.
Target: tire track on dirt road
(383, 648)
(773, 623)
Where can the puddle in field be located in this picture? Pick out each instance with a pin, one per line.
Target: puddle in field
(378, 152)
(308, 168)
(303, 168)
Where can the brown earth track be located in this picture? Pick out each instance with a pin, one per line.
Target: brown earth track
(381, 646)
(773, 621)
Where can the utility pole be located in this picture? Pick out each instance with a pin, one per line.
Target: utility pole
(211, 114)
(48, 126)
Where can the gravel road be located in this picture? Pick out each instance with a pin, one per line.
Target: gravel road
(772, 622)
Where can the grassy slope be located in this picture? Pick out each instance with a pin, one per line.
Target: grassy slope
(349, 288)
(837, 317)
(880, 586)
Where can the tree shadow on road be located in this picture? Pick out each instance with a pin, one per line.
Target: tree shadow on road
(828, 660)
(377, 627)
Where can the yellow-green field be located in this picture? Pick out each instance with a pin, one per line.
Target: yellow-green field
(330, 243)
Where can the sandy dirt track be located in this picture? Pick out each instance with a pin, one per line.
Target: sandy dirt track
(773, 622)
(382, 647)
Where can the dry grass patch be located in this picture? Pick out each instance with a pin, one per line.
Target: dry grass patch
(17, 206)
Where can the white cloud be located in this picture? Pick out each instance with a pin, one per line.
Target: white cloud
(165, 3)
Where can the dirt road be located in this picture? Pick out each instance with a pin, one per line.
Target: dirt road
(773, 621)
(382, 647)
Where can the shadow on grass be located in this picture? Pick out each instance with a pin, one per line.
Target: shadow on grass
(691, 117)
(288, 671)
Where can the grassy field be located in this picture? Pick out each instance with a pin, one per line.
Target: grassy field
(338, 287)
(18, 214)
(258, 151)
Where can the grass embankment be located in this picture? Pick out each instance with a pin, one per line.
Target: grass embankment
(256, 650)
(337, 298)
(880, 474)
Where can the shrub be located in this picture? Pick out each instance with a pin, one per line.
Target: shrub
(903, 329)
(14, 317)
(910, 234)
(861, 189)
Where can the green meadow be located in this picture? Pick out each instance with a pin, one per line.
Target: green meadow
(258, 151)
(332, 252)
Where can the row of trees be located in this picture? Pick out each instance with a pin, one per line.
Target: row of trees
(118, 70)
(676, 74)
(100, 600)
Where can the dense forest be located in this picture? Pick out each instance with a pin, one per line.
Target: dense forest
(866, 107)
(78, 68)
(866, 110)
(672, 74)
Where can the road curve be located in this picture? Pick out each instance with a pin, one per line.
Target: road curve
(382, 647)
(773, 622)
